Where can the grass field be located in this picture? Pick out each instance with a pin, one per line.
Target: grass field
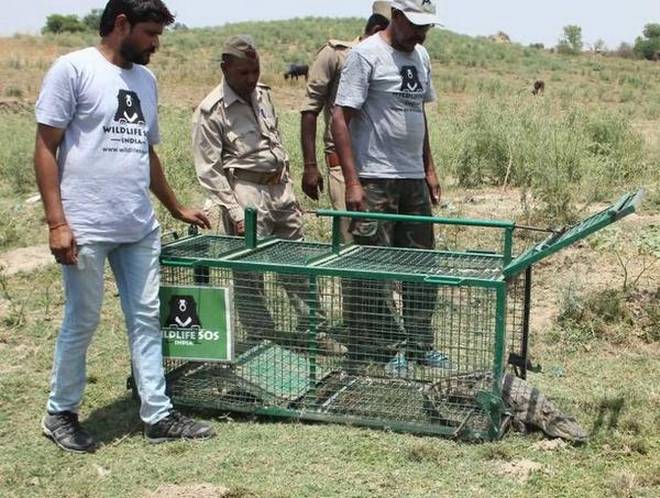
(501, 153)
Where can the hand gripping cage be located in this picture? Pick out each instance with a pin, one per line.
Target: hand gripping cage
(410, 340)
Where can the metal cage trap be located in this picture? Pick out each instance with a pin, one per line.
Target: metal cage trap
(410, 340)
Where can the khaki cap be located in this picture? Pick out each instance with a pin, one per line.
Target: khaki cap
(241, 46)
(383, 8)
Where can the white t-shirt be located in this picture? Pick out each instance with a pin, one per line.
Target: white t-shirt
(389, 88)
(110, 118)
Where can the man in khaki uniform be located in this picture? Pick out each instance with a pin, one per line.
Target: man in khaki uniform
(321, 92)
(240, 161)
(238, 150)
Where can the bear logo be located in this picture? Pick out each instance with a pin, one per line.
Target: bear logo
(410, 80)
(129, 110)
(183, 313)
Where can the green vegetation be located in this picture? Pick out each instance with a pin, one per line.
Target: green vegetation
(571, 43)
(71, 23)
(648, 45)
(501, 153)
(563, 160)
(58, 23)
(93, 20)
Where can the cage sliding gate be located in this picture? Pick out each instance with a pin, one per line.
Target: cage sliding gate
(410, 340)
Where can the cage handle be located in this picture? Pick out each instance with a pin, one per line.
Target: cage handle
(329, 213)
(437, 280)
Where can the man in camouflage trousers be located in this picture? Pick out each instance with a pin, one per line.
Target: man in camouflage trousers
(321, 92)
(380, 130)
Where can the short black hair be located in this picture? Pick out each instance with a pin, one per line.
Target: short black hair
(376, 21)
(136, 11)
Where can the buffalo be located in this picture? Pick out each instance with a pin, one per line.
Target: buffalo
(297, 70)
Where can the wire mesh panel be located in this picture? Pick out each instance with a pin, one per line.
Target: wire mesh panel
(206, 246)
(378, 352)
(390, 260)
(287, 252)
(518, 322)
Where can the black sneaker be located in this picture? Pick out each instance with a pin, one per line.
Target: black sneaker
(67, 433)
(177, 426)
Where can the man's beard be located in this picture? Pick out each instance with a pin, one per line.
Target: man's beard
(128, 52)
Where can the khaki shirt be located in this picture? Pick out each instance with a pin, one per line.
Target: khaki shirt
(324, 76)
(229, 133)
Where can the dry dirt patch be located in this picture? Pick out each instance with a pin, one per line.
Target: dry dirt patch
(518, 470)
(188, 491)
(25, 259)
(550, 445)
(11, 106)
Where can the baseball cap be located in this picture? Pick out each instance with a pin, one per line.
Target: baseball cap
(383, 8)
(418, 12)
(240, 46)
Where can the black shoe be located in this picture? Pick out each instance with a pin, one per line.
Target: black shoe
(177, 426)
(67, 433)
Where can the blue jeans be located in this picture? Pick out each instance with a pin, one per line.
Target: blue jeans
(136, 270)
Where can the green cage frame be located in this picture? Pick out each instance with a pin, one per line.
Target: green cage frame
(497, 274)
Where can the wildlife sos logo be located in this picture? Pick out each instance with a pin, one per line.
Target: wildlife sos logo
(183, 313)
(128, 131)
(183, 324)
(129, 110)
(196, 323)
(410, 82)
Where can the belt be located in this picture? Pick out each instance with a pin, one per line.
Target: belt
(332, 160)
(259, 177)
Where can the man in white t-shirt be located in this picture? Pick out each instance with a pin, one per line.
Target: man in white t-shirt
(381, 137)
(95, 164)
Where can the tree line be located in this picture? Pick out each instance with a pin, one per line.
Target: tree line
(646, 46)
(71, 23)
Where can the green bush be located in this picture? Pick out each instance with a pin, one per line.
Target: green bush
(93, 20)
(648, 45)
(598, 315)
(610, 314)
(58, 23)
(571, 43)
(562, 158)
(16, 145)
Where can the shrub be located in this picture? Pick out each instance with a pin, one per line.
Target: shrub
(571, 43)
(648, 45)
(58, 23)
(93, 20)
(597, 315)
(561, 158)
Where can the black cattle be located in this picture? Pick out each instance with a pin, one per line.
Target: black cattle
(297, 70)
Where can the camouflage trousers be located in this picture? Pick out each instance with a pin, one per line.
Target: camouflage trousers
(337, 192)
(385, 317)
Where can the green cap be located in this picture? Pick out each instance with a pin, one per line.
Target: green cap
(241, 46)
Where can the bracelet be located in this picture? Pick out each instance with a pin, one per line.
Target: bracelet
(55, 227)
